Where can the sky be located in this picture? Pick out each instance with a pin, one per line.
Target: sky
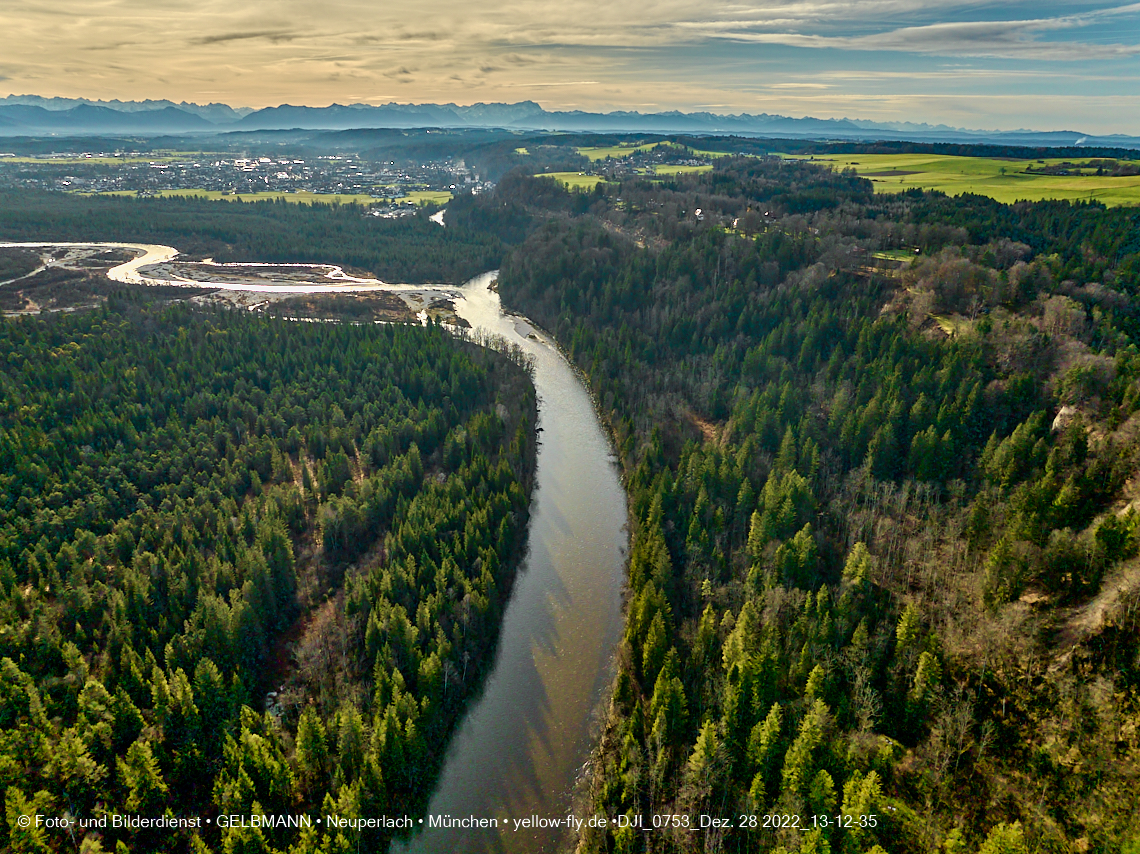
(1041, 65)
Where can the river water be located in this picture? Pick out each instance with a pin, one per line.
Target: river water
(523, 743)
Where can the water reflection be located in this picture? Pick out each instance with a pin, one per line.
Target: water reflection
(520, 747)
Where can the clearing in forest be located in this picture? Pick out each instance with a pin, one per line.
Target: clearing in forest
(574, 180)
(679, 170)
(596, 153)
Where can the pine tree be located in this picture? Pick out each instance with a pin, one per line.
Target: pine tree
(141, 777)
(1005, 839)
(800, 756)
(312, 753)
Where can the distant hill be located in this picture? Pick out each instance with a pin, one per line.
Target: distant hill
(528, 115)
(216, 113)
(25, 119)
(27, 115)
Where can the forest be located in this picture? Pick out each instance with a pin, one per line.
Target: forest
(247, 566)
(407, 249)
(880, 455)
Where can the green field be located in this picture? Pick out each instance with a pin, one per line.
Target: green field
(952, 325)
(574, 180)
(617, 151)
(419, 197)
(893, 173)
(681, 170)
(713, 155)
(905, 255)
(302, 197)
(158, 157)
(427, 197)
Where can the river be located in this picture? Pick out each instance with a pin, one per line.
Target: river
(523, 743)
(521, 747)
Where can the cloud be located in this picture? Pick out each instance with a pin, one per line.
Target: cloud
(274, 36)
(561, 83)
(403, 74)
(979, 40)
(1017, 39)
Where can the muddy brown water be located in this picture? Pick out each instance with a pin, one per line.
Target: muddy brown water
(524, 741)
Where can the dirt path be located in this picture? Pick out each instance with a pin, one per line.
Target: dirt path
(1089, 619)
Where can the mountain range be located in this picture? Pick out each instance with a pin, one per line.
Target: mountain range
(30, 115)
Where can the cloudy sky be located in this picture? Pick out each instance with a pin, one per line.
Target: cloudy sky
(1044, 65)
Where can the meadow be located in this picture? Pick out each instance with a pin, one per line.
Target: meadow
(681, 170)
(596, 153)
(1006, 180)
(164, 156)
(574, 180)
(903, 255)
(712, 155)
(299, 197)
(426, 197)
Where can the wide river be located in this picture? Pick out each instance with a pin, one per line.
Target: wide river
(522, 745)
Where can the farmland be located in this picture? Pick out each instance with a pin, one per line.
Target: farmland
(1005, 180)
(427, 197)
(418, 197)
(621, 150)
(681, 169)
(299, 197)
(654, 160)
(163, 156)
(574, 180)
(712, 155)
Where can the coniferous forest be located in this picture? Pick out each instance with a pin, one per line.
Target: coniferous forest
(246, 565)
(880, 454)
(408, 249)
